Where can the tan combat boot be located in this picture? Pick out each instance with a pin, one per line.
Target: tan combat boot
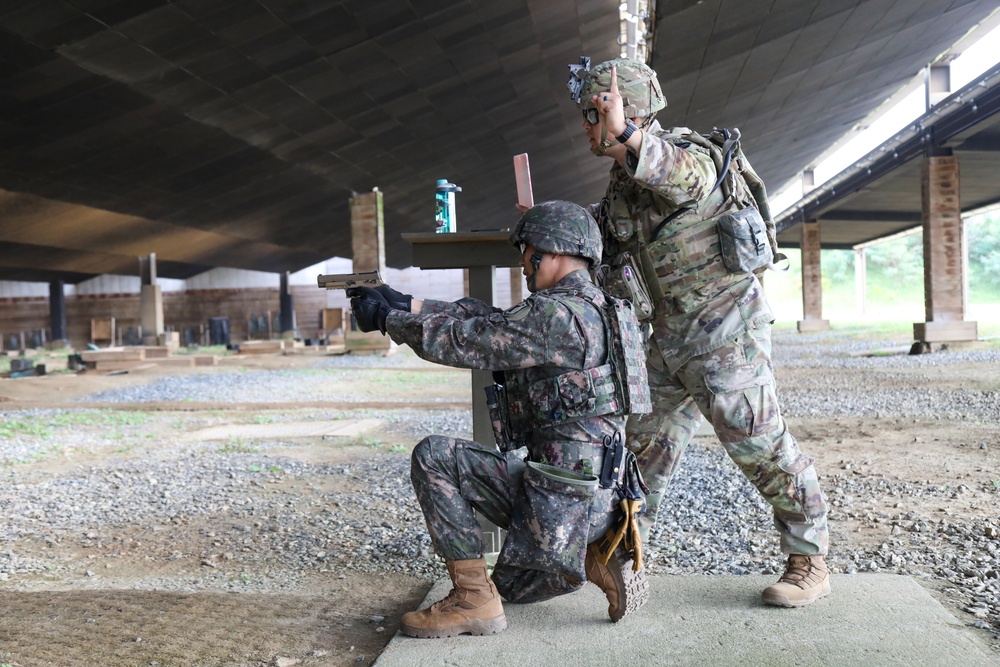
(805, 580)
(473, 606)
(626, 590)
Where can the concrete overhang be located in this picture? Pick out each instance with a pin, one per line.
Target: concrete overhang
(880, 194)
(234, 132)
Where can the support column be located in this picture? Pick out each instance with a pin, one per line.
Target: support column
(286, 308)
(368, 254)
(57, 315)
(150, 301)
(812, 281)
(861, 280)
(944, 270)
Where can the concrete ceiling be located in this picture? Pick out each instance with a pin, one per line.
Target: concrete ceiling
(233, 132)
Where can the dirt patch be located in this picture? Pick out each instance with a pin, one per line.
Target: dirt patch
(876, 470)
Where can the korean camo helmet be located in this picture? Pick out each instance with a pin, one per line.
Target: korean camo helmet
(637, 84)
(560, 228)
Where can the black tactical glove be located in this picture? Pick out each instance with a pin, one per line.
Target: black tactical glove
(369, 308)
(396, 300)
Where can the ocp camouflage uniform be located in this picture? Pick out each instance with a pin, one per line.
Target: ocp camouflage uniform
(554, 331)
(709, 355)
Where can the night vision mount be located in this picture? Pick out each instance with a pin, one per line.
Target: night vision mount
(577, 75)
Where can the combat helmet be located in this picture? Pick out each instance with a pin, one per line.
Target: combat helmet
(560, 228)
(637, 84)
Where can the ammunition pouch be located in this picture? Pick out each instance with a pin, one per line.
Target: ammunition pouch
(743, 241)
(550, 524)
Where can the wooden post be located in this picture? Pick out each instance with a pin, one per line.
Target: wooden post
(812, 281)
(368, 248)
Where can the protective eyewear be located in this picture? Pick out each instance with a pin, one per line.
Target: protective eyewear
(591, 116)
(522, 246)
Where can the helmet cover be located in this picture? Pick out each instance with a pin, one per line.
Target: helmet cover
(637, 84)
(560, 228)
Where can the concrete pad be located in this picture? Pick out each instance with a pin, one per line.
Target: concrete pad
(326, 429)
(872, 619)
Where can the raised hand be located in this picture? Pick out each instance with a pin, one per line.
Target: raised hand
(611, 108)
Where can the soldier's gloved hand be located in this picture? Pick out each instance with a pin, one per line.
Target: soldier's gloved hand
(369, 308)
(396, 300)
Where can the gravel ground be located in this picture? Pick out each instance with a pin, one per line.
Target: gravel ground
(833, 394)
(282, 536)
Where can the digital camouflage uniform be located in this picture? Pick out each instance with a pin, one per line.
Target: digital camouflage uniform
(709, 354)
(552, 332)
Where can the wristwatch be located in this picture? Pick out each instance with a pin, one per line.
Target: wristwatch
(629, 129)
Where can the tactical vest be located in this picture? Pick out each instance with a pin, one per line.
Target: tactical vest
(545, 395)
(675, 248)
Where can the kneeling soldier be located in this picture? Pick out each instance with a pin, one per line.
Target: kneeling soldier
(569, 368)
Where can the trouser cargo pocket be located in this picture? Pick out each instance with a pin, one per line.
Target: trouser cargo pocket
(550, 521)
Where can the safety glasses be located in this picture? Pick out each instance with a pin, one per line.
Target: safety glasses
(591, 116)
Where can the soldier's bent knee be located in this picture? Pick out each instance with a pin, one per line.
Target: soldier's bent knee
(427, 451)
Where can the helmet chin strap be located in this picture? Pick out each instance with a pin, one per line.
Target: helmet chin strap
(600, 149)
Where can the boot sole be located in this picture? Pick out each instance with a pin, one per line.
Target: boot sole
(782, 601)
(635, 585)
(471, 627)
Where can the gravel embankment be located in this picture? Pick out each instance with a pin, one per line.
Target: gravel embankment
(375, 524)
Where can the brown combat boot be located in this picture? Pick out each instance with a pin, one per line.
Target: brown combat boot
(473, 606)
(806, 579)
(626, 590)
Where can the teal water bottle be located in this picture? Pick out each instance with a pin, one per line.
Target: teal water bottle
(444, 205)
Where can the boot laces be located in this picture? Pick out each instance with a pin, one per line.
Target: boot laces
(802, 572)
(454, 597)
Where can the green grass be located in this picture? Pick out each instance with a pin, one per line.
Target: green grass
(45, 427)
(374, 443)
(236, 446)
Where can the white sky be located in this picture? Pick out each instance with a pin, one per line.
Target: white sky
(975, 60)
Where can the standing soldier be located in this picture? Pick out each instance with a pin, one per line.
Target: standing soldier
(569, 370)
(686, 228)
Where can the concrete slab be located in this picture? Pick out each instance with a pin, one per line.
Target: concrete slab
(324, 429)
(872, 619)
